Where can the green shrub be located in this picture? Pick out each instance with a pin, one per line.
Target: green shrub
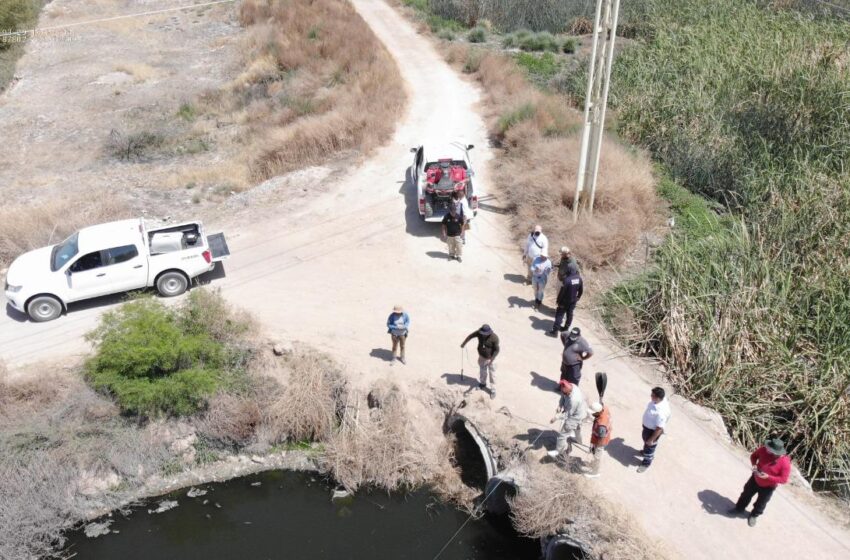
(157, 360)
(187, 112)
(446, 34)
(473, 61)
(515, 116)
(540, 67)
(477, 35)
(436, 23)
(543, 41)
(569, 45)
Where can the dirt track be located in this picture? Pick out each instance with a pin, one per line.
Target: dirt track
(329, 273)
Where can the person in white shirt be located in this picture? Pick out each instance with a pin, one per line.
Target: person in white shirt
(655, 419)
(540, 268)
(535, 245)
(575, 411)
(461, 205)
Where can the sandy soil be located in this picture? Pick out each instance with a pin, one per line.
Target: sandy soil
(317, 272)
(75, 86)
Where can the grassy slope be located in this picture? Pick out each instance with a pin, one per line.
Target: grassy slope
(751, 107)
(14, 15)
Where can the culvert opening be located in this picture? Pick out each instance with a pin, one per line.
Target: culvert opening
(563, 547)
(468, 455)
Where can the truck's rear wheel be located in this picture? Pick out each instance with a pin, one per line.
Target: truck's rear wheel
(44, 308)
(171, 284)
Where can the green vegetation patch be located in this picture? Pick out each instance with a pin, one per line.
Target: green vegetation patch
(541, 68)
(155, 360)
(750, 107)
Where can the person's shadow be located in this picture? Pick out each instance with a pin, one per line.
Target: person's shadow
(438, 255)
(382, 354)
(516, 278)
(542, 382)
(537, 438)
(540, 324)
(515, 301)
(714, 503)
(622, 453)
(456, 379)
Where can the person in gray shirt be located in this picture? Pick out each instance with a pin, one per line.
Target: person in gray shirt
(576, 351)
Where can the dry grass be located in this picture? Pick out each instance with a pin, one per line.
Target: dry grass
(64, 451)
(554, 501)
(381, 446)
(540, 137)
(140, 71)
(296, 398)
(317, 82)
(24, 227)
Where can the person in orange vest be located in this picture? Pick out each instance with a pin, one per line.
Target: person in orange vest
(600, 435)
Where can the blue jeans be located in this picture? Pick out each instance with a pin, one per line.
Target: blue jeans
(648, 450)
(539, 285)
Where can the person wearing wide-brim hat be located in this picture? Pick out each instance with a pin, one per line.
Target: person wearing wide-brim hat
(398, 325)
(771, 467)
(488, 349)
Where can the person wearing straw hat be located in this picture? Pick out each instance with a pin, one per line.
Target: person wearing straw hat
(771, 467)
(398, 325)
(488, 349)
(600, 435)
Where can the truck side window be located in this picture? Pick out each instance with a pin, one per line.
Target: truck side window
(87, 262)
(120, 254)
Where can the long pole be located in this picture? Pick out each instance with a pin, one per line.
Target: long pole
(595, 101)
(588, 103)
(611, 21)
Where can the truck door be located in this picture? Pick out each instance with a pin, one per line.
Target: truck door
(86, 277)
(125, 268)
(417, 165)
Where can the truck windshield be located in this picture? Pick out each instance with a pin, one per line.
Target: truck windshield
(63, 252)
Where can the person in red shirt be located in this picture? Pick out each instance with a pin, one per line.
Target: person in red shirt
(771, 467)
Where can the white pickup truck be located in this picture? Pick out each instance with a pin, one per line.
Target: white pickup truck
(111, 258)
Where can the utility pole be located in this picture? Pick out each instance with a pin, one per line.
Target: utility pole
(596, 99)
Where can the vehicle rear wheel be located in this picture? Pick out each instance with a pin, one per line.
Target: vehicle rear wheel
(44, 308)
(172, 284)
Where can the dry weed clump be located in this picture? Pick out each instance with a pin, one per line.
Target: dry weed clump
(317, 82)
(540, 136)
(555, 501)
(381, 446)
(64, 451)
(292, 399)
(24, 227)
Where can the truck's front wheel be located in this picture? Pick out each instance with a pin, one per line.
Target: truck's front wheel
(44, 308)
(171, 284)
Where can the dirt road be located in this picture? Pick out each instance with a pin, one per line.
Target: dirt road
(329, 273)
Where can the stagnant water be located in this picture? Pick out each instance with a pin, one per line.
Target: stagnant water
(290, 515)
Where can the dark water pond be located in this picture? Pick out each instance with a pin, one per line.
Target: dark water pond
(290, 515)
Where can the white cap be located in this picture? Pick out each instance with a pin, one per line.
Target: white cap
(595, 407)
(565, 249)
(538, 228)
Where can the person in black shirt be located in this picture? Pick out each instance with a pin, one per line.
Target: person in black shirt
(452, 230)
(568, 297)
(488, 349)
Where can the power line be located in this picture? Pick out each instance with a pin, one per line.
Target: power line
(114, 18)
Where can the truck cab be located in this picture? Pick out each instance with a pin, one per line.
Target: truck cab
(110, 258)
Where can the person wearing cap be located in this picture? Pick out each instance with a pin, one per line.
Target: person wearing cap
(398, 325)
(488, 349)
(462, 207)
(571, 291)
(576, 351)
(572, 405)
(655, 419)
(600, 435)
(453, 225)
(771, 467)
(536, 244)
(540, 268)
(567, 259)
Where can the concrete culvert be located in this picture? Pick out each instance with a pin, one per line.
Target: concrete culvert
(563, 547)
(499, 490)
(472, 453)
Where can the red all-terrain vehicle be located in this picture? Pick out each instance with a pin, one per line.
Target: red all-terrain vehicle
(438, 172)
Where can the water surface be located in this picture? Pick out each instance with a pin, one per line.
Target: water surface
(290, 515)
